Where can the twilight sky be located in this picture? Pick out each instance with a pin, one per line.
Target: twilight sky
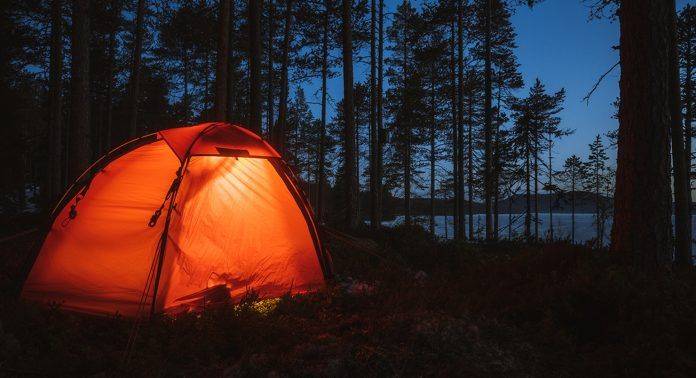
(558, 44)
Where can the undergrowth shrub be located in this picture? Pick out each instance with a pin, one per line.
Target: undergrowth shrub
(421, 307)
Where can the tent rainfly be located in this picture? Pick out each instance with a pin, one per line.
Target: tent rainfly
(175, 220)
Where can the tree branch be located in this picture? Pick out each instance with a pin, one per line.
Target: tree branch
(599, 81)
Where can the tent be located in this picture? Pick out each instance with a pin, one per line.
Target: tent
(175, 220)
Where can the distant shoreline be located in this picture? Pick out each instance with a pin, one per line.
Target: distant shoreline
(392, 217)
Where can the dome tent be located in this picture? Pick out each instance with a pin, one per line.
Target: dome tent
(168, 221)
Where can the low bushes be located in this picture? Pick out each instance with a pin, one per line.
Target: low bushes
(419, 307)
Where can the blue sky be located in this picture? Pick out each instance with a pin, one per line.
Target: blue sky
(560, 45)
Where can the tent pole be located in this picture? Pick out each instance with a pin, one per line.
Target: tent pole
(165, 232)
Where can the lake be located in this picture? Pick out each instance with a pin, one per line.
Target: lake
(585, 228)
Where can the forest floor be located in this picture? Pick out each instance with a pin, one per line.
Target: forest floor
(423, 308)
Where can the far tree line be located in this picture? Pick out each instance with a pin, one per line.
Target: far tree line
(441, 111)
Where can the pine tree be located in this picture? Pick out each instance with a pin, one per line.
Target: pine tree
(335, 145)
(597, 178)
(488, 120)
(682, 190)
(79, 152)
(375, 182)
(105, 20)
(474, 85)
(507, 173)
(460, 125)
(114, 25)
(432, 55)
(351, 186)
(686, 33)
(301, 137)
(535, 119)
(22, 138)
(405, 101)
(454, 132)
(255, 10)
(381, 134)
(573, 171)
(317, 33)
(494, 46)
(234, 73)
(183, 52)
(134, 85)
(222, 65)
(284, 80)
(271, 20)
(687, 52)
(551, 133)
(507, 78)
(55, 114)
(325, 67)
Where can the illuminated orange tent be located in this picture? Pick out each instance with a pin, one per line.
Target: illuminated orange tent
(172, 221)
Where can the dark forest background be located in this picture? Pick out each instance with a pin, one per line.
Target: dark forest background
(439, 126)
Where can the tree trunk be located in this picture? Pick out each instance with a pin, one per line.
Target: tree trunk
(206, 115)
(115, 8)
(432, 152)
(496, 199)
(322, 131)
(374, 186)
(55, 114)
(107, 117)
(231, 68)
(488, 124)
(98, 125)
(358, 215)
(682, 192)
(598, 215)
(135, 71)
(470, 163)
(279, 130)
(688, 117)
(496, 163)
(186, 98)
(79, 143)
(456, 149)
(536, 190)
(254, 118)
(222, 64)
(381, 134)
(642, 172)
(460, 117)
(270, 77)
(572, 206)
(550, 191)
(407, 177)
(407, 125)
(528, 204)
(688, 99)
(350, 178)
(510, 215)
